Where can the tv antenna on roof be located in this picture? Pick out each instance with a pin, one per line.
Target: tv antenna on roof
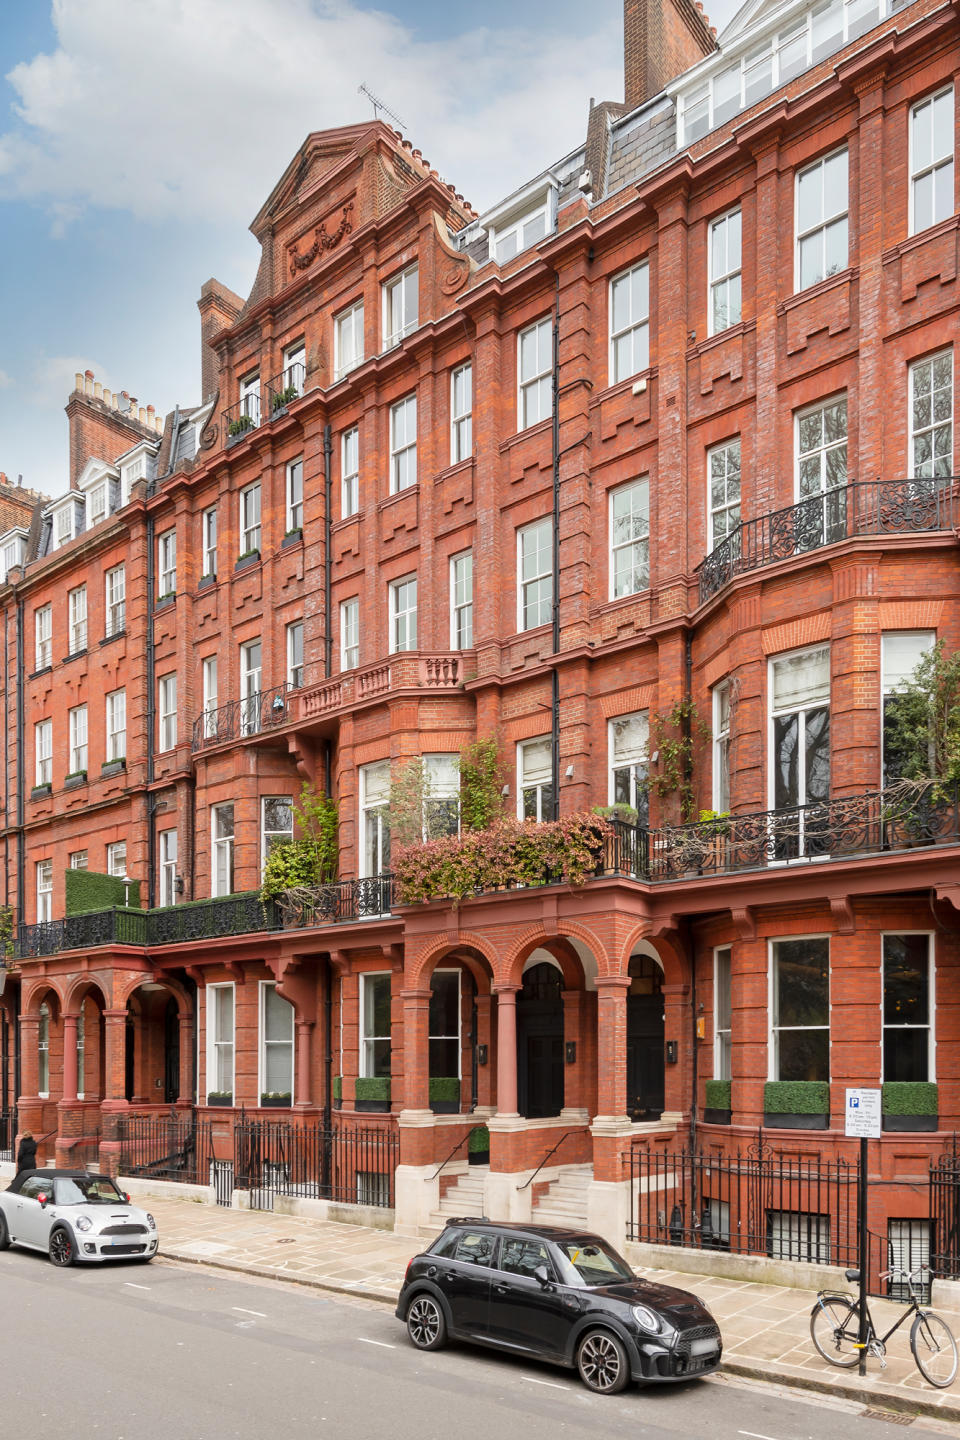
(378, 105)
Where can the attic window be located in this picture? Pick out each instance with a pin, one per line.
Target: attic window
(64, 525)
(509, 239)
(97, 504)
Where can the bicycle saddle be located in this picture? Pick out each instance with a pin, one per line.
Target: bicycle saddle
(852, 1275)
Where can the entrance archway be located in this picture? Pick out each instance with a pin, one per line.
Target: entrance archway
(645, 1039)
(540, 1042)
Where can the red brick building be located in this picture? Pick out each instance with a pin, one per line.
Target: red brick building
(670, 426)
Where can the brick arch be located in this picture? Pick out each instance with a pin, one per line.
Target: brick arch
(35, 996)
(537, 937)
(483, 969)
(673, 960)
(82, 987)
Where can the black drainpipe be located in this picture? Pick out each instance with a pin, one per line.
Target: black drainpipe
(327, 559)
(554, 672)
(151, 721)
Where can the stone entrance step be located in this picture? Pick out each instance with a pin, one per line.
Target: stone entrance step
(564, 1202)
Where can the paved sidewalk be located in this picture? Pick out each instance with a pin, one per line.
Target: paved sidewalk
(765, 1327)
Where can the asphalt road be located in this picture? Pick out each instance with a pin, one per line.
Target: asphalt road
(146, 1352)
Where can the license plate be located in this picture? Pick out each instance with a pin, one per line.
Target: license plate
(703, 1347)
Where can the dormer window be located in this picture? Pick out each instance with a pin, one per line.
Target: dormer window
(66, 519)
(64, 526)
(97, 504)
(13, 549)
(522, 220)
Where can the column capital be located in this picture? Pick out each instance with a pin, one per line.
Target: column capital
(507, 991)
(612, 982)
(115, 1015)
(416, 993)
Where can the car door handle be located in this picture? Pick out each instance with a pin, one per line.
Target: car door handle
(502, 1289)
(448, 1278)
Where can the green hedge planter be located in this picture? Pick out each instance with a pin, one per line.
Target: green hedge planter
(372, 1093)
(910, 1105)
(796, 1104)
(717, 1109)
(445, 1095)
(220, 1097)
(338, 1092)
(478, 1146)
(276, 1100)
(88, 890)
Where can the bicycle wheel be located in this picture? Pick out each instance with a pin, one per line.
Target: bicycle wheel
(934, 1349)
(834, 1329)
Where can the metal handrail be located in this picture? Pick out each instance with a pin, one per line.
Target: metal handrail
(565, 1136)
(454, 1150)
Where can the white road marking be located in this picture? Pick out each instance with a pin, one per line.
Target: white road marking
(552, 1383)
(243, 1311)
(382, 1343)
(131, 1286)
(754, 1435)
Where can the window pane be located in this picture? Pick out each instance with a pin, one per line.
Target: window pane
(804, 1055)
(906, 970)
(906, 1054)
(277, 1015)
(445, 1004)
(802, 984)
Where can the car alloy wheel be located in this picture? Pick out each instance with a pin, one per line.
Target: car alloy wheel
(602, 1362)
(61, 1249)
(425, 1323)
(4, 1232)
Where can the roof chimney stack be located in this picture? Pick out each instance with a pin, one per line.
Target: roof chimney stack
(661, 39)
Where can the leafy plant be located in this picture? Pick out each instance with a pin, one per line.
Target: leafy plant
(676, 737)
(482, 778)
(76, 775)
(718, 1094)
(309, 860)
(246, 555)
(910, 1097)
(284, 397)
(241, 424)
(444, 1087)
(921, 732)
(6, 930)
(275, 1095)
(626, 813)
(213, 1095)
(796, 1097)
(338, 1087)
(479, 1140)
(372, 1087)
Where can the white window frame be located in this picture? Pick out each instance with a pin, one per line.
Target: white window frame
(638, 756)
(251, 515)
(382, 811)
(935, 164)
(81, 1051)
(720, 279)
(167, 711)
(264, 1043)
(168, 850)
(117, 858)
(44, 876)
(403, 450)
(526, 228)
(935, 425)
(441, 773)
(450, 970)
(348, 350)
(366, 1064)
(639, 544)
(926, 639)
(97, 504)
(250, 397)
(728, 505)
(824, 449)
(930, 1027)
(78, 731)
(251, 685)
(208, 536)
(540, 787)
(43, 752)
(822, 225)
(215, 1042)
(222, 851)
(461, 600)
(801, 710)
(208, 671)
(397, 288)
(295, 654)
(79, 859)
(166, 564)
(722, 1035)
(43, 1039)
(43, 637)
(116, 724)
(403, 629)
(295, 366)
(115, 599)
(773, 1028)
(350, 471)
(461, 413)
(529, 606)
(535, 391)
(77, 610)
(636, 328)
(294, 494)
(350, 633)
(721, 747)
(266, 836)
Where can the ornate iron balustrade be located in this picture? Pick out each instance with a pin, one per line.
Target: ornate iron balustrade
(871, 507)
(242, 914)
(241, 718)
(241, 418)
(309, 905)
(284, 388)
(116, 926)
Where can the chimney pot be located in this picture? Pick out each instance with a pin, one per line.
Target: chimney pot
(88, 374)
(78, 380)
(97, 390)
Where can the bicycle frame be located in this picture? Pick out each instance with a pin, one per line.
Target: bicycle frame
(914, 1308)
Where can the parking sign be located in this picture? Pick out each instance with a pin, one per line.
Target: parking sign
(863, 1114)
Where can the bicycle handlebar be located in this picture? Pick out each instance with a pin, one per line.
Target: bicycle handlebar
(902, 1273)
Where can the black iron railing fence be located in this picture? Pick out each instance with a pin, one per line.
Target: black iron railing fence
(263, 710)
(252, 411)
(870, 507)
(116, 926)
(241, 914)
(8, 1132)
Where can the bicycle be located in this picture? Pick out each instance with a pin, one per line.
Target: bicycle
(835, 1331)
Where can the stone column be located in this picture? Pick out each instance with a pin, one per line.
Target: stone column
(303, 1089)
(612, 1046)
(69, 1059)
(507, 1049)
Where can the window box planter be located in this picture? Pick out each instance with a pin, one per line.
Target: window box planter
(44, 670)
(220, 1097)
(75, 778)
(372, 1093)
(910, 1105)
(114, 635)
(165, 600)
(113, 767)
(717, 1111)
(206, 581)
(338, 1092)
(248, 558)
(478, 1146)
(283, 398)
(74, 655)
(276, 1100)
(292, 537)
(796, 1105)
(445, 1095)
(40, 792)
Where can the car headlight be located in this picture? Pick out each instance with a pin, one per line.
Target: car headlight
(84, 1223)
(151, 1222)
(646, 1319)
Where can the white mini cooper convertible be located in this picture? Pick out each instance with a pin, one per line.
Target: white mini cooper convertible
(74, 1216)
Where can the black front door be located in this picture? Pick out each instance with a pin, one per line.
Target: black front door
(129, 1057)
(645, 1056)
(540, 1042)
(171, 1053)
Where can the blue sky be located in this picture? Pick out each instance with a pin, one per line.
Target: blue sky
(138, 138)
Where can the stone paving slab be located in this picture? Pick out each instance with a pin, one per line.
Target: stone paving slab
(765, 1327)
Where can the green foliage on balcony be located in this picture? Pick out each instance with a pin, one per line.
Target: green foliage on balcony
(338, 1087)
(910, 1097)
(295, 867)
(796, 1097)
(86, 891)
(718, 1095)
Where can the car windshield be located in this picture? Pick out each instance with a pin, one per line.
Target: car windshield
(86, 1190)
(591, 1262)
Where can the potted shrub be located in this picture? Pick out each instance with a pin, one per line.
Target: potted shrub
(338, 1092)
(444, 1094)
(717, 1109)
(478, 1146)
(249, 557)
(910, 1105)
(40, 791)
(76, 777)
(219, 1097)
(240, 426)
(283, 397)
(372, 1093)
(167, 598)
(292, 537)
(114, 767)
(206, 581)
(796, 1104)
(276, 1100)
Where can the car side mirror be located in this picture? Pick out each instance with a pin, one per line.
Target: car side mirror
(127, 1198)
(43, 1200)
(542, 1276)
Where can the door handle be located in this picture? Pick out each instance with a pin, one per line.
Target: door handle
(502, 1289)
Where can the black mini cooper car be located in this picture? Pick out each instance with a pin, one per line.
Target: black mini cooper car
(560, 1295)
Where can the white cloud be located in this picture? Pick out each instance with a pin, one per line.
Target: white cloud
(54, 377)
(5, 380)
(193, 108)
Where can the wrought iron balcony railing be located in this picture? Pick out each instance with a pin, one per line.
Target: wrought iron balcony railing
(241, 418)
(241, 718)
(871, 507)
(241, 914)
(250, 412)
(117, 926)
(284, 388)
